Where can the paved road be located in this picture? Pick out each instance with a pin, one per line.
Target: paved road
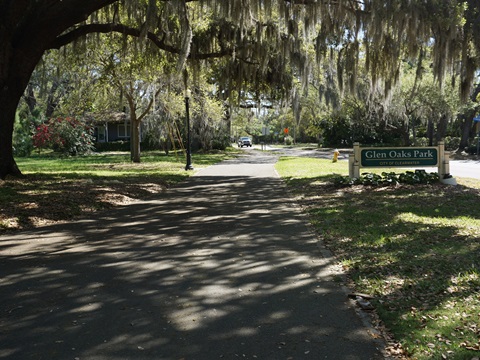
(221, 267)
(465, 168)
(458, 168)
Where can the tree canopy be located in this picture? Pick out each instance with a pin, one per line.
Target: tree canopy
(266, 45)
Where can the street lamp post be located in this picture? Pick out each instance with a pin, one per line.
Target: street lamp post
(189, 148)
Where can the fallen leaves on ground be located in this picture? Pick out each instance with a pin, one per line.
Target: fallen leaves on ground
(34, 202)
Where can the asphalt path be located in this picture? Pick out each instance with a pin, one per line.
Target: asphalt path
(223, 266)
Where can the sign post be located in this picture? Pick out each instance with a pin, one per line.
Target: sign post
(399, 157)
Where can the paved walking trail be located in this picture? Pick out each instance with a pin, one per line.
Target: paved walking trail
(221, 267)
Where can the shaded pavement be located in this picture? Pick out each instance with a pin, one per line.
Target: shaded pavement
(221, 267)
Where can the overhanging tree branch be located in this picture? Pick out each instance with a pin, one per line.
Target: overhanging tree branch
(84, 30)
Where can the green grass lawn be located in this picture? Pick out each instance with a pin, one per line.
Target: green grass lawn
(63, 188)
(416, 249)
(114, 165)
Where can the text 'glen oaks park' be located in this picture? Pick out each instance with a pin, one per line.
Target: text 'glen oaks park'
(399, 157)
(393, 154)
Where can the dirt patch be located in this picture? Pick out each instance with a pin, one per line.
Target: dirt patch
(33, 202)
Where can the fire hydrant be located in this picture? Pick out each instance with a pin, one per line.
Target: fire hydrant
(335, 155)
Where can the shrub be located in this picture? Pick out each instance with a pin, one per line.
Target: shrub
(113, 146)
(22, 133)
(42, 137)
(288, 140)
(153, 140)
(220, 142)
(452, 143)
(409, 177)
(472, 149)
(68, 136)
(419, 141)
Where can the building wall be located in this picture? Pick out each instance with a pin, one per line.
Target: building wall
(114, 132)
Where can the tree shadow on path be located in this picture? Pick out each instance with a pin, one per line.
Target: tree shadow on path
(220, 267)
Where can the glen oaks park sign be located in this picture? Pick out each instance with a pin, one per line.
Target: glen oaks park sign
(399, 157)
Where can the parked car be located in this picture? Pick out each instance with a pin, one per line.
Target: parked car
(244, 141)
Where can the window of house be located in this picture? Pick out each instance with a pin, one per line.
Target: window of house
(124, 130)
(101, 133)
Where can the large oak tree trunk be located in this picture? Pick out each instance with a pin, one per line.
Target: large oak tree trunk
(27, 30)
(16, 66)
(7, 115)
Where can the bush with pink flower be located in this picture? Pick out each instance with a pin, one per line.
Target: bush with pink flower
(66, 135)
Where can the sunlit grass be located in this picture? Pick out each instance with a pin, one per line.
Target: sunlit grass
(295, 167)
(416, 249)
(113, 165)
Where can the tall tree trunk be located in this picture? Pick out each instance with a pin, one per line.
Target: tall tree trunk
(16, 67)
(51, 100)
(405, 128)
(135, 140)
(413, 122)
(441, 128)
(135, 122)
(466, 130)
(430, 131)
(30, 99)
(7, 116)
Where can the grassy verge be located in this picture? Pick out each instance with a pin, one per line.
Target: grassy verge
(416, 249)
(57, 189)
